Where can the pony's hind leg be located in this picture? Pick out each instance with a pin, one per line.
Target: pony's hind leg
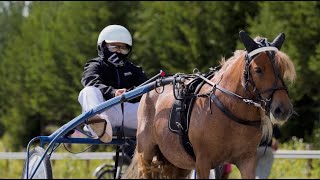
(145, 166)
(166, 170)
(146, 151)
(171, 172)
(146, 146)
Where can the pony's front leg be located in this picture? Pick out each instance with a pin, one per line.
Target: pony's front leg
(247, 168)
(203, 168)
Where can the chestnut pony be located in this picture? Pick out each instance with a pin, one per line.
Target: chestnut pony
(233, 111)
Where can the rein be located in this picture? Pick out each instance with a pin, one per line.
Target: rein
(214, 98)
(216, 86)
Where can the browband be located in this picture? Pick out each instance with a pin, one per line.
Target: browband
(262, 49)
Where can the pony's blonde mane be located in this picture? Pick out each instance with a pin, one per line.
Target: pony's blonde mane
(287, 72)
(225, 63)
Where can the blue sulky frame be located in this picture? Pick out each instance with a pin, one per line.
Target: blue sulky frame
(59, 135)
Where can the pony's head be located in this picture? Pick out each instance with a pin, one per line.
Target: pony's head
(265, 73)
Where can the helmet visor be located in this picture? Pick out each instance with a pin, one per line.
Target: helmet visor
(115, 48)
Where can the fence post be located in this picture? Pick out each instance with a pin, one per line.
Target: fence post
(88, 165)
(309, 161)
(7, 162)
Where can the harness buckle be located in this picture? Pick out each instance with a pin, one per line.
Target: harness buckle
(265, 103)
(249, 101)
(179, 126)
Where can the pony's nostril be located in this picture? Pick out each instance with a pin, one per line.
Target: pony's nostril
(277, 111)
(282, 113)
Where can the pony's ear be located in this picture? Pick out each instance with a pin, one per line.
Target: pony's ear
(278, 41)
(248, 42)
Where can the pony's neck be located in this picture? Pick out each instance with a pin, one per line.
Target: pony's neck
(230, 79)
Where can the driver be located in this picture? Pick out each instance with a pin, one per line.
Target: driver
(107, 76)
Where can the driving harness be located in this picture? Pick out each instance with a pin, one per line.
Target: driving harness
(179, 118)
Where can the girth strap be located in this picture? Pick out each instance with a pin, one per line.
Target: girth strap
(255, 123)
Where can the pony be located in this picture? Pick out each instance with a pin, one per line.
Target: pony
(233, 111)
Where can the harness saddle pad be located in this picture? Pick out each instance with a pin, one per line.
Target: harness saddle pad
(181, 109)
(175, 124)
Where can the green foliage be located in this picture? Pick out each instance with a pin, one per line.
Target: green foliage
(46, 69)
(10, 19)
(174, 39)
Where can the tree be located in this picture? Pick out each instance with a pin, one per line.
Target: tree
(181, 36)
(43, 66)
(10, 18)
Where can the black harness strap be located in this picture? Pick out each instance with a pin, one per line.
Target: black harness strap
(255, 123)
(120, 136)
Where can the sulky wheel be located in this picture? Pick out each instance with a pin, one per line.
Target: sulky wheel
(44, 171)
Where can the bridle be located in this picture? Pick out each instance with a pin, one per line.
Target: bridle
(258, 101)
(249, 57)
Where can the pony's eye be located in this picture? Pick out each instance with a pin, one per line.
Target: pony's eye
(258, 70)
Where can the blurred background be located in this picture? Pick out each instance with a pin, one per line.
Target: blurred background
(44, 46)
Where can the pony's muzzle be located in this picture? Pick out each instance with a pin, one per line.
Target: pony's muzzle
(281, 111)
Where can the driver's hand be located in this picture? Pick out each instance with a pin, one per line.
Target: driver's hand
(120, 91)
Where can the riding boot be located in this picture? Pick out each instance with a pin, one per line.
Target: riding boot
(100, 127)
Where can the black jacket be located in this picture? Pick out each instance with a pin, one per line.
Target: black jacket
(108, 78)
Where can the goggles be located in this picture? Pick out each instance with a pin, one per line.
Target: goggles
(122, 49)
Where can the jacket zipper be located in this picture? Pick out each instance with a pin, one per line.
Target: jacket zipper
(118, 75)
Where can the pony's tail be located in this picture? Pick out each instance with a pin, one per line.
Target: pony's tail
(132, 169)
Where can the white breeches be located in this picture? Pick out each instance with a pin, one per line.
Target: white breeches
(90, 97)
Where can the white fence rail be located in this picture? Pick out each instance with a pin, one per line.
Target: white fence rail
(284, 154)
(59, 156)
(297, 154)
